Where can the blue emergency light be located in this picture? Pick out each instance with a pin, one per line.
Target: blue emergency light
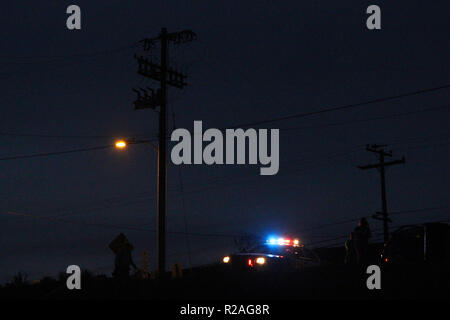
(283, 241)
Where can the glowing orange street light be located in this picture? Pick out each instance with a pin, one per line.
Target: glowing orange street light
(121, 144)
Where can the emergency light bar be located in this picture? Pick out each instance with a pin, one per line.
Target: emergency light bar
(283, 241)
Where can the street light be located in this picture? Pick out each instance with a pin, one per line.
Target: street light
(121, 144)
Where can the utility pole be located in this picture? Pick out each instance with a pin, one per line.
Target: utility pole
(379, 149)
(148, 98)
(162, 159)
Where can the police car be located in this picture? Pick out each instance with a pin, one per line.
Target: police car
(276, 253)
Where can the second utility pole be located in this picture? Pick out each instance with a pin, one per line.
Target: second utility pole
(378, 149)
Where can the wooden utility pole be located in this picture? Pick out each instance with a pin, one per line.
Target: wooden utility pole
(148, 98)
(162, 158)
(379, 149)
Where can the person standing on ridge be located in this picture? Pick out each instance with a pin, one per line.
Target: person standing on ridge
(122, 262)
(361, 236)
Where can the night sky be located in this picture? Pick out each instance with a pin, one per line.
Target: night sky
(65, 90)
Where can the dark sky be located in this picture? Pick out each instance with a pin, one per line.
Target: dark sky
(253, 61)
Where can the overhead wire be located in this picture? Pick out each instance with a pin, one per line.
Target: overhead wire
(342, 107)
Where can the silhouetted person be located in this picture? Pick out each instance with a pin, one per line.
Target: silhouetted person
(360, 237)
(350, 257)
(122, 263)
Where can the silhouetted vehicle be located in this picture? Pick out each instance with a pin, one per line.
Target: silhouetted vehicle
(279, 254)
(429, 242)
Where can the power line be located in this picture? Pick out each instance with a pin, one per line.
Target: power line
(418, 140)
(391, 116)
(226, 235)
(119, 227)
(123, 202)
(342, 107)
(429, 146)
(37, 135)
(282, 118)
(38, 155)
(59, 58)
(418, 210)
(63, 61)
(212, 185)
(218, 183)
(306, 164)
(46, 154)
(130, 136)
(314, 243)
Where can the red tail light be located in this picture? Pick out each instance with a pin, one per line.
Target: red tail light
(250, 262)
